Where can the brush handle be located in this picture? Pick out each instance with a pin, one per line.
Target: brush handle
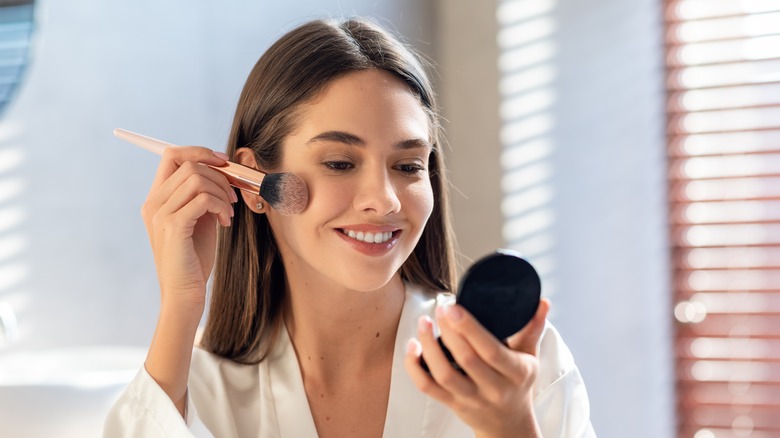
(239, 176)
(148, 143)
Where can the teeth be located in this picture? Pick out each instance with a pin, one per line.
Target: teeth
(369, 237)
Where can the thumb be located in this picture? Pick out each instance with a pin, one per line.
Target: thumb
(526, 339)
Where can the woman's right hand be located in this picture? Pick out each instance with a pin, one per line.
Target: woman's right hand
(186, 202)
(181, 212)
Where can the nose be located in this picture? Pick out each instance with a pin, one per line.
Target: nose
(377, 193)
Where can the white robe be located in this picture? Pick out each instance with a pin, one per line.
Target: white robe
(266, 400)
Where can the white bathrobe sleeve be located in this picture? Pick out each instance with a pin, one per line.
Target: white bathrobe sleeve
(145, 410)
(560, 398)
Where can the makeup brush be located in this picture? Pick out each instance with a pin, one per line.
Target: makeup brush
(285, 192)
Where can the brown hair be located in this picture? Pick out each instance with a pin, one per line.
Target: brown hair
(249, 280)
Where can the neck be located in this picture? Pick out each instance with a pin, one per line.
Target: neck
(338, 332)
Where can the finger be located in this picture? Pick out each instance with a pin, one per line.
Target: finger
(421, 379)
(481, 372)
(183, 173)
(484, 343)
(440, 367)
(195, 184)
(527, 339)
(175, 156)
(187, 216)
(195, 178)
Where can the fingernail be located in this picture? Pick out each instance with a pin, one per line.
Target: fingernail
(411, 346)
(221, 155)
(424, 324)
(444, 301)
(233, 195)
(454, 313)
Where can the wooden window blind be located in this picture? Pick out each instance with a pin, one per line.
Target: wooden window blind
(723, 82)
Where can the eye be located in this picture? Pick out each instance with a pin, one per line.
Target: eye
(410, 168)
(338, 165)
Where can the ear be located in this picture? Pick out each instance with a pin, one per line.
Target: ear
(246, 156)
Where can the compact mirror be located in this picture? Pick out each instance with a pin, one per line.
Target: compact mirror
(502, 291)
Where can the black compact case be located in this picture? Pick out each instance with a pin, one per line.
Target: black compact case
(502, 291)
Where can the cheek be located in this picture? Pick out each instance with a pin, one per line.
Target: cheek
(327, 200)
(418, 201)
(328, 196)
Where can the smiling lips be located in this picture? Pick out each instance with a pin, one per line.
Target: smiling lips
(369, 237)
(370, 243)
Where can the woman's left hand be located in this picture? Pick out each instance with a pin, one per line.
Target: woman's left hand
(495, 398)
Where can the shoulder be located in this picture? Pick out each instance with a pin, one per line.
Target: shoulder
(422, 299)
(554, 356)
(209, 372)
(560, 397)
(222, 391)
(558, 371)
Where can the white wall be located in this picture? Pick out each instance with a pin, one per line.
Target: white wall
(614, 287)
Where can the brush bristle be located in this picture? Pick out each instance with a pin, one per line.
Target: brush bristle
(285, 192)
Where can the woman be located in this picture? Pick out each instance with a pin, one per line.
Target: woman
(310, 314)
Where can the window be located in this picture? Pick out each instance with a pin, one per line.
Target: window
(723, 81)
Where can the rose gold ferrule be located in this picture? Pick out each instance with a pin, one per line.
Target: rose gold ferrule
(241, 177)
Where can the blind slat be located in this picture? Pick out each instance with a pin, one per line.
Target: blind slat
(725, 325)
(692, 10)
(727, 371)
(726, 348)
(719, 393)
(761, 417)
(719, 52)
(732, 27)
(725, 120)
(719, 75)
(728, 235)
(690, 145)
(747, 96)
(721, 211)
(725, 166)
(712, 432)
(723, 257)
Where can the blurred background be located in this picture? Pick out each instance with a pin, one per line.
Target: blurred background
(629, 148)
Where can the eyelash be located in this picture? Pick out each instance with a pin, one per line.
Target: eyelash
(338, 166)
(413, 168)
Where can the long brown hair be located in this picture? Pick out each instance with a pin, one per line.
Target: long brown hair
(249, 281)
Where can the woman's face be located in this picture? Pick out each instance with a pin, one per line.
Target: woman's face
(362, 146)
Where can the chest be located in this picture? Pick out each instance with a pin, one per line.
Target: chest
(353, 408)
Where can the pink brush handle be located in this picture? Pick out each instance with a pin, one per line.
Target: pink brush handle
(148, 143)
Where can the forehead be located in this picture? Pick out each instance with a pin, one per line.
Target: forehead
(373, 104)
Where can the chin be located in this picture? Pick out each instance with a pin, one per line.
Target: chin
(369, 283)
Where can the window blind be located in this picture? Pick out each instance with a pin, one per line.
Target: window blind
(723, 82)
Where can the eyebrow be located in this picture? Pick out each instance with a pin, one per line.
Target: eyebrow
(354, 140)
